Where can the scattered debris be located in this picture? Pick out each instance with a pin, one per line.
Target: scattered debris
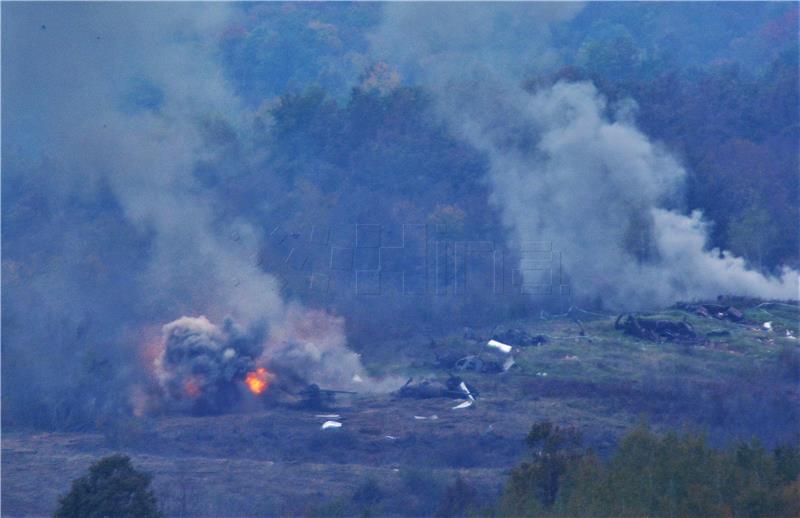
(718, 311)
(331, 424)
(519, 338)
(473, 363)
(544, 315)
(423, 389)
(448, 359)
(315, 398)
(423, 418)
(469, 363)
(791, 306)
(541, 374)
(733, 314)
(767, 326)
(508, 363)
(576, 309)
(454, 383)
(790, 335)
(654, 330)
(465, 390)
(465, 404)
(500, 346)
(570, 358)
(427, 389)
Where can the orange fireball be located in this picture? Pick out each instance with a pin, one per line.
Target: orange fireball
(258, 381)
(192, 389)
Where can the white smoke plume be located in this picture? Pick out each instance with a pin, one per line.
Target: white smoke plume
(599, 190)
(133, 97)
(564, 167)
(311, 344)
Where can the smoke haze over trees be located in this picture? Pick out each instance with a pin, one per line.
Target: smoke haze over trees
(164, 161)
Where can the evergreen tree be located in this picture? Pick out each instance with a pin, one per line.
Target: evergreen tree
(112, 488)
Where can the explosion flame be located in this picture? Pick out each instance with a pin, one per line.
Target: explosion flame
(192, 389)
(258, 381)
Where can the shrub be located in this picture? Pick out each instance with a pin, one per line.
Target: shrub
(789, 362)
(459, 499)
(368, 493)
(112, 488)
(424, 489)
(554, 450)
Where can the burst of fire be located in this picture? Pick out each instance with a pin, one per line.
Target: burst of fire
(191, 389)
(258, 381)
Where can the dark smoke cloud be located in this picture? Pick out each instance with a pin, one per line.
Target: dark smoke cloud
(202, 366)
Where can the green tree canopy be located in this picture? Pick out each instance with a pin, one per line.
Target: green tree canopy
(652, 475)
(112, 488)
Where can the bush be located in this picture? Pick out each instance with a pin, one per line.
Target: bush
(368, 493)
(537, 482)
(460, 499)
(112, 488)
(652, 475)
(424, 489)
(789, 362)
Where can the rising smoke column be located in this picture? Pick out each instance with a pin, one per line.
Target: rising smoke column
(312, 345)
(601, 191)
(132, 98)
(129, 100)
(565, 168)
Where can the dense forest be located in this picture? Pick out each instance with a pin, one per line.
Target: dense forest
(726, 105)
